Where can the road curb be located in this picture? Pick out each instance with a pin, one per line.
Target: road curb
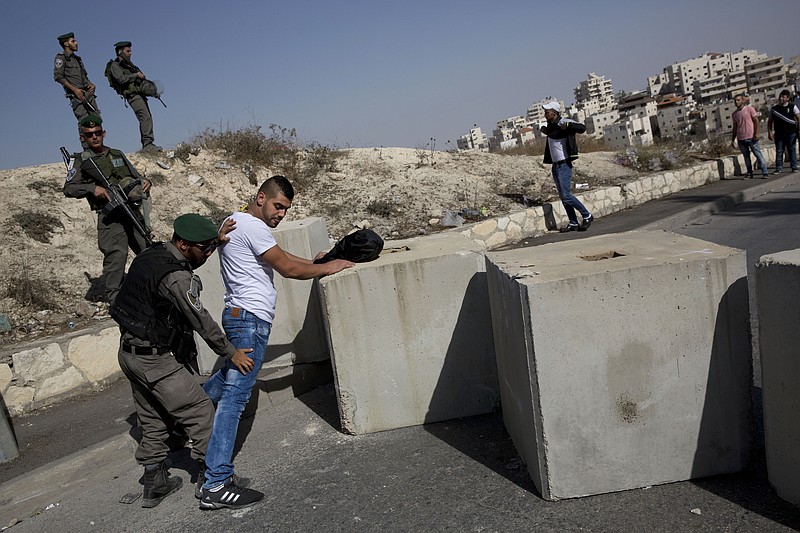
(722, 203)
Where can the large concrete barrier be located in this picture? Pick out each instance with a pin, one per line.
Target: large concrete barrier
(297, 333)
(410, 335)
(623, 360)
(777, 290)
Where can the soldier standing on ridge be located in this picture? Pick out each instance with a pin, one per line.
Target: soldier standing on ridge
(115, 232)
(130, 83)
(68, 70)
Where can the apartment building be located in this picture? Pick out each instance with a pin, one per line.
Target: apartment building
(535, 113)
(629, 131)
(680, 77)
(640, 103)
(718, 117)
(673, 116)
(595, 94)
(597, 122)
(769, 75)
(474, 140)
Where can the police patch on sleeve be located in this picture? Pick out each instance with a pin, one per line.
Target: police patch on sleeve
(193, 294)
(59, 62)
(71, 170)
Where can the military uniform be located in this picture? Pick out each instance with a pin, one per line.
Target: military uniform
(115, 232)
(70, 69)
(122, 75)
(158, 309)
(156, 375)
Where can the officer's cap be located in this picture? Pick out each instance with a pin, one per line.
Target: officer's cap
(65, 37)
(192, 227)
(91, 121)
(121, 44)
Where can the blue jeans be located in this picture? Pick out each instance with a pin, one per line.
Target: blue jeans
(751, 145)
(229, 390)
(562, 175)
(788, 141)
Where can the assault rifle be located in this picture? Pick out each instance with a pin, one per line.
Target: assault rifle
(118, 197)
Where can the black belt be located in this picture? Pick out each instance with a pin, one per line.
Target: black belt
(142, 350)
(562, 162)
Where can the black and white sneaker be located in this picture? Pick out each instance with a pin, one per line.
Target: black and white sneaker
(586, 223)
(229, 495)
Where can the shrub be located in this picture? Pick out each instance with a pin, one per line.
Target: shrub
(37, 226)
(655, 157)
(27, 290)
(280, 151)
(381, 208)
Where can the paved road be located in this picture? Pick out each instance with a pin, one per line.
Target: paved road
(462, 475)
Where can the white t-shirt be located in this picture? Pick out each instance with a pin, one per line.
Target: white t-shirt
(558, 147)
(247, 279)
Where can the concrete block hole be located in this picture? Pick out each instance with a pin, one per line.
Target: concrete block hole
(604, 255)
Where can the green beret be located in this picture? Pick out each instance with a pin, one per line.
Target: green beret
(192, 227)
(121, 44)
(90, 121)
(65, 37)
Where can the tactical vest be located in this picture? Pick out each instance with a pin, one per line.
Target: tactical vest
(141, 310)
(115, 167)
(131, 88)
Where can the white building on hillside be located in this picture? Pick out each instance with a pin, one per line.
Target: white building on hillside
(673, 116)
(595, 94)
(474, 140)
(535, 112)
(629, 131)
(595, 123)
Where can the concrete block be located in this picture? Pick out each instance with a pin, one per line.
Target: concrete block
(96, 355)
(36, 363)
(410, 335)
(777, 287)
(623, 360)
(297, 334)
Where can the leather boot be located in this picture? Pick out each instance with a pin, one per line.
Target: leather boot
(158, 484)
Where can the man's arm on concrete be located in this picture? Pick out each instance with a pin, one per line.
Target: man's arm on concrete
(290, 267)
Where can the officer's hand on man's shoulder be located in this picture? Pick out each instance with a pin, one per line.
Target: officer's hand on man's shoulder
(228, 226)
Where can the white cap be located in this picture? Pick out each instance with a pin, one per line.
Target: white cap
(552, 105)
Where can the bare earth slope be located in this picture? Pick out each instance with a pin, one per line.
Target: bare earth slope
(49, 262)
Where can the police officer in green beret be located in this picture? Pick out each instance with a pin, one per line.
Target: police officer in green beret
(132, 85)
(115, 231)
(158, 309)
(68, 70)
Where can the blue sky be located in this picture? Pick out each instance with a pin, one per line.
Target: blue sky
(353, 73)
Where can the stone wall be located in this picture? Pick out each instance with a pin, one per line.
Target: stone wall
(50, 370)
(535, 221)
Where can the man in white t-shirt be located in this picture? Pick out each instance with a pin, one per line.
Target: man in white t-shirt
(248, 262)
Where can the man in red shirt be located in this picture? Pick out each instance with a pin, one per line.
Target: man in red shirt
(745, 129)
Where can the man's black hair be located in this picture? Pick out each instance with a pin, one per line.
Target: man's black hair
(275, 185)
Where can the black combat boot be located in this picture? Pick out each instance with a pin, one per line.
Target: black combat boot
(158, 485)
